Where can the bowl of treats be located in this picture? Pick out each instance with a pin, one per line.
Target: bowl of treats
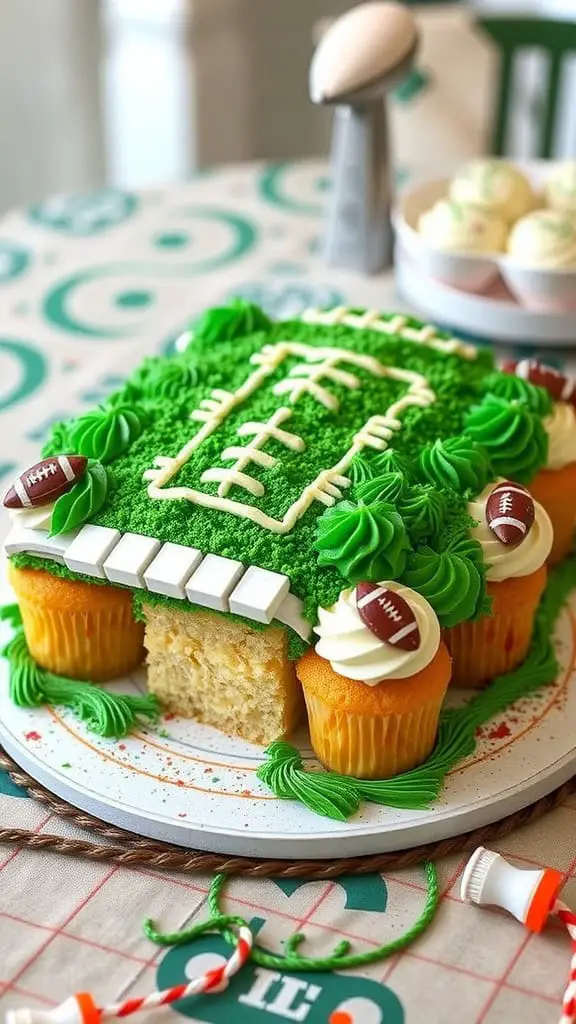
(497, 225)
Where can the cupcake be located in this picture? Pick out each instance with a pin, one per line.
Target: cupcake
(560, 188)
(75, 629)
(375, 684)
(515, 534)
(555, 485)
(496, 186)
(461, 227)
(544, 238)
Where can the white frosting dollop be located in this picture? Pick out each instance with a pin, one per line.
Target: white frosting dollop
(356, 653)
(560, 426)
(39, 518)
(505, 561)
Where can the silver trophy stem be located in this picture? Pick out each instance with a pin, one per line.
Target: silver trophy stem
(359, 231)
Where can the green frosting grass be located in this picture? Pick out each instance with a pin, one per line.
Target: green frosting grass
(225, 364)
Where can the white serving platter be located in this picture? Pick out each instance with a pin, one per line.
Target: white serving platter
(188, 784)
(494, 317)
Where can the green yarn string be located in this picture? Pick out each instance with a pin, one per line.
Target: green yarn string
(338, 796)
(108, 714)
(340, 959)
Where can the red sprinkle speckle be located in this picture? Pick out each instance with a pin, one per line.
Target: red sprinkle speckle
(32, 736)
(179, 782)
(121, 746)
(501, 732)
(169, 716)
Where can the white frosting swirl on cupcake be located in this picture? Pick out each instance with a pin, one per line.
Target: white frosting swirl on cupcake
(356, 653)
(39, 518)
(505, 561)
(560, 426)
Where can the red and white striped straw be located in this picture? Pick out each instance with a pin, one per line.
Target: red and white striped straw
(82, 1009)
(212, 981)
(568, 918)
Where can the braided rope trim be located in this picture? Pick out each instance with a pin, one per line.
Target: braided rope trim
(127, 849)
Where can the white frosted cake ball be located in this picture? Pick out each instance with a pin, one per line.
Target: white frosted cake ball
(561, 187)
(496, 186)
(544, 238)
(460, 227)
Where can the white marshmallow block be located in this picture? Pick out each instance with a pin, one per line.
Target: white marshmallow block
(213, 582)
(290, 613)
(259, 594)
(129, 560)
(90, 549)
(169, 572)
(37, 542)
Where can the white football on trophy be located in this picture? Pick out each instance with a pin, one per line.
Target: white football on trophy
(361, 52)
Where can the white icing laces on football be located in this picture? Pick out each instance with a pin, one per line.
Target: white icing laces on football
(559, 387)
(510, 512)
(388, 616)
(45, 481)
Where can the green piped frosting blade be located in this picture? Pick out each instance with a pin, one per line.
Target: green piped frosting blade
(108, 714)
(78, 505)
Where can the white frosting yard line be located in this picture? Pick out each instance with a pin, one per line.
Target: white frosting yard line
(372, 320)
(328, 485)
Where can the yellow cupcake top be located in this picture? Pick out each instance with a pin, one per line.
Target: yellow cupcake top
(355, 652)
(495, 185)
(462, 227)
(560, 188)
(544, 238)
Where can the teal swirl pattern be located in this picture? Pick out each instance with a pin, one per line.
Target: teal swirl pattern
(23, 368)
(85, 213)
(14, 260)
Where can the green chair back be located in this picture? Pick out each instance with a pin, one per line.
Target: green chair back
(512, 35)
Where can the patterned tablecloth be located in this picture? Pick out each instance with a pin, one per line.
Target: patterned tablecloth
(88, 285)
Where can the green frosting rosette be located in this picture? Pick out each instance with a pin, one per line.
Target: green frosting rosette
(78, 505)
(451, 581)
(512, 388)
(364, 542)
(106, 432)
(423, 509)
(359, 471)
(224, 323)
(513, 436)
(458, 462)
(391, 461)
(387, 487)
(161, 379)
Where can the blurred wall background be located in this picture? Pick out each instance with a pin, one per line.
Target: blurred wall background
(139, 92)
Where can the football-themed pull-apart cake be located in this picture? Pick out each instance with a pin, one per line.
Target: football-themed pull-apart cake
(335, 517)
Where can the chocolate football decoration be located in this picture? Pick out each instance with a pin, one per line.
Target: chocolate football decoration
(559, 387)
(46, 481)
(388, 616)
(510, 512)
